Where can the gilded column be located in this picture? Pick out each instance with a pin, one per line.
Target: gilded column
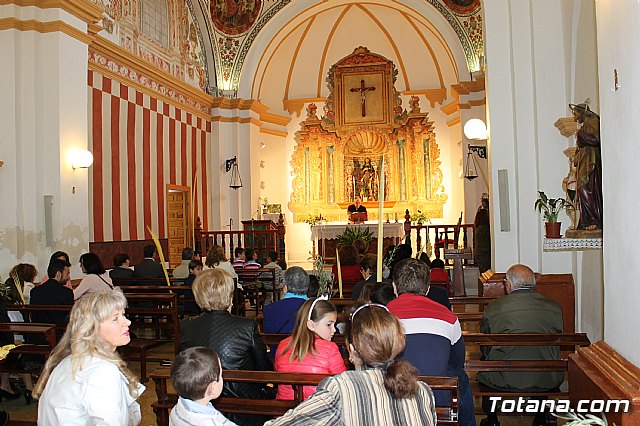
(427, 166)
(331, 190)
(401, 170)
(307, 176)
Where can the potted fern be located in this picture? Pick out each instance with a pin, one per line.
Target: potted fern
(550, 208)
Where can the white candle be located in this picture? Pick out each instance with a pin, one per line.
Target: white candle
(339, 272)
(380, 231)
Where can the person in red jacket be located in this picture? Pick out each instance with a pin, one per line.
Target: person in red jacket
(310, 349)
(349, 268)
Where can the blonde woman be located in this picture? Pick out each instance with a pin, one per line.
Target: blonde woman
(235, 339)
(84, 380)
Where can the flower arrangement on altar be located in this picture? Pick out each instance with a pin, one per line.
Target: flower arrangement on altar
(313, 219)
(419, 218)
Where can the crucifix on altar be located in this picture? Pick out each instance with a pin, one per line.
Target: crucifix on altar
(363, 91)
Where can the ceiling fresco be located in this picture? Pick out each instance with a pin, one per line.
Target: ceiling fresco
(237, 24)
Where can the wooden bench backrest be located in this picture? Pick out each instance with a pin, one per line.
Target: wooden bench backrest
(46, 330)
(446, 415)
(564, 340)
(157, 282)
(166, 307)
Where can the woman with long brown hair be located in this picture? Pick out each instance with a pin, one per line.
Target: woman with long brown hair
(217, 259)
(310, 349)
(382, 390)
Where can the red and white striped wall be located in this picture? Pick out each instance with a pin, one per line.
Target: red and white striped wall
(140, 144)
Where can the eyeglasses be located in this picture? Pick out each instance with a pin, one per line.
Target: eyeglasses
(367, 305)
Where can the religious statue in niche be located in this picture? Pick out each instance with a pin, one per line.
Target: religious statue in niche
(588, 167)
(234, 16)
(364, 181)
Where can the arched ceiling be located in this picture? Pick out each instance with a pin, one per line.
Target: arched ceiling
(294, 62)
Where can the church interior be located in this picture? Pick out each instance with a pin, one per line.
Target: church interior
(206, 115)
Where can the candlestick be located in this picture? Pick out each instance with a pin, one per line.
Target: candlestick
(396, 217)
(339, 273)
(380, 229)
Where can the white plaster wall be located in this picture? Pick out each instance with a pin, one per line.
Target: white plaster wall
(43, 119)
(524, 98)
(274, 170)
(618, 32)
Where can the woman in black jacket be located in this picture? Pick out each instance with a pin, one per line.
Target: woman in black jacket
(235, 339)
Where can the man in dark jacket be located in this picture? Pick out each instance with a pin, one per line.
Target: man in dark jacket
(521, 311)
(53, 292)
(149, 267)
(121, 269)
(235, 339)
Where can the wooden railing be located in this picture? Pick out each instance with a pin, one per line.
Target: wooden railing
(421, 234)
(263, 241)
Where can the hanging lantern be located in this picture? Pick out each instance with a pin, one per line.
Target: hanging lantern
(471, 169)
(232, 165)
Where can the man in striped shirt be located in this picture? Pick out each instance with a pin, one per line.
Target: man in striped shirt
(434, 338)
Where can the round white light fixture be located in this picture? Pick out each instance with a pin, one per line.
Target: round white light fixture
(475, 129)
(82, 159)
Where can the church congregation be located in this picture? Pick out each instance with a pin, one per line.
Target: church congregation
(251, 212)
(236, 343)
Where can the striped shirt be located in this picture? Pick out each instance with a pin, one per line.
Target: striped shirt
(360, 398)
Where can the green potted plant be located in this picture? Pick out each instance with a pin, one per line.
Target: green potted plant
(550, 207)
(352, 233)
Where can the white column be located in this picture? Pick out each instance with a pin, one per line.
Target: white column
(525, 95)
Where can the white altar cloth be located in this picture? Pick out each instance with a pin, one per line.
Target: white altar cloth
(333, 230)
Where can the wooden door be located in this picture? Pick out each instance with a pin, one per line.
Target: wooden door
(178, 223)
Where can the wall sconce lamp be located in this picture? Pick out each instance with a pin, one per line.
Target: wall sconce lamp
(471, 171)
(475, 130)
(82, 159)
(232, 165)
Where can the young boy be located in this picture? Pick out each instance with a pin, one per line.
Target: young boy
(196, 375)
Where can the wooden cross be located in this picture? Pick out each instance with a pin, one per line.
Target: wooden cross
(363, 90)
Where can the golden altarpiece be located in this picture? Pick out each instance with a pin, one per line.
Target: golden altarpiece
(338, 156)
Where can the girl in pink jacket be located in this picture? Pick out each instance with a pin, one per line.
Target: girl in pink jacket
(310, 349)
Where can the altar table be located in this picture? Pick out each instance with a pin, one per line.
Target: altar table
(324, 236)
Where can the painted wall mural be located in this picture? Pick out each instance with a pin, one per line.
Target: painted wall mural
(183, 57)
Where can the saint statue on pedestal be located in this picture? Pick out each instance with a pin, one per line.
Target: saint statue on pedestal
(588, 164)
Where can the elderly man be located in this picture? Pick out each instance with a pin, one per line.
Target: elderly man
(280, 317)
(521, 311)
(434, 338)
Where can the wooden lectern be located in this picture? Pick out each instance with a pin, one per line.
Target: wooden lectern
(457, 255)
(259, 235)
(358, 217)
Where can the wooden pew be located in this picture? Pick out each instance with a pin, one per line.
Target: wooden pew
(273, 407)
(161, 316)
(185, 296)
(253, 281)
(47, 331)
(158, 282)
(27, 310)
(568, 343)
